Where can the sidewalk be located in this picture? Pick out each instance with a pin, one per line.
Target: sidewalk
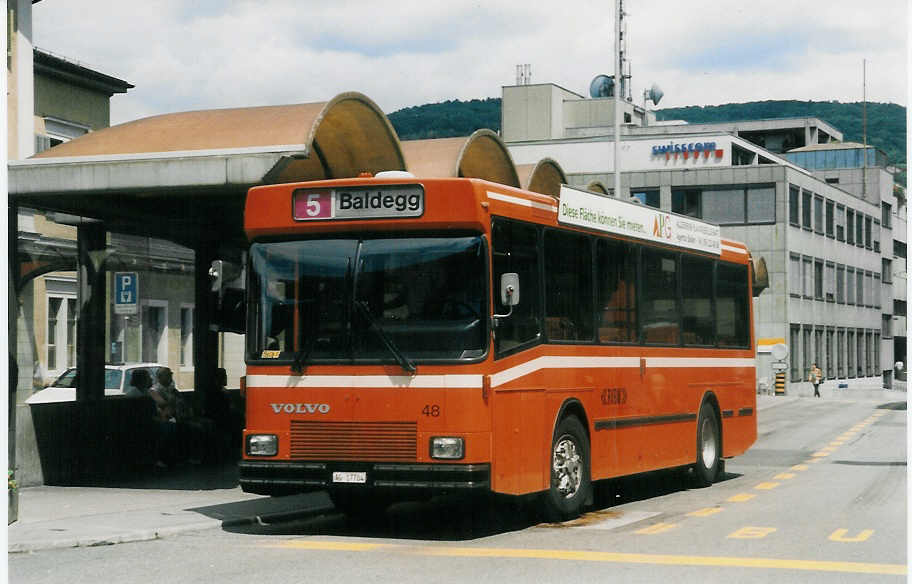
(188, 498)
(193, 498)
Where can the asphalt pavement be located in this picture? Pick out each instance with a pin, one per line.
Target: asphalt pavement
(196, 498)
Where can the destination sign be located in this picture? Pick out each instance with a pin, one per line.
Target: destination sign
(585, 209)
(375, 202)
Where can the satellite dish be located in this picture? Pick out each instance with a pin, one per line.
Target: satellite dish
(602, 86)
(654, 94)
(779, 351)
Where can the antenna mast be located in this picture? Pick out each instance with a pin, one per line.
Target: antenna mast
(618, 91)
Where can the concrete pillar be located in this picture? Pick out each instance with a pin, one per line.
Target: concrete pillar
(205, 339)
(90, 338)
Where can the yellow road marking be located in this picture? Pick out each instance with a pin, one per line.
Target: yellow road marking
(752, 533)
(342, 546)
(820, 454)
(836, 443)
(741, 498)
(800, 467)
(784, 476)
(706, 512)
(605, 557)
(766, 486)
(841, 535)
(657, 528)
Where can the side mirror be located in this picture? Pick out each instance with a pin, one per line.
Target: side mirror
(509, 292)
(228, 288)
(509, 289)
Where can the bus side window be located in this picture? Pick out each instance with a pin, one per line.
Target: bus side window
(660, 316)
(516, 250)
(697, 301)
(732, 308)
(568, 287)
(617, 292)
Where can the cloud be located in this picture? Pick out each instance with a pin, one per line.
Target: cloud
(183, 55)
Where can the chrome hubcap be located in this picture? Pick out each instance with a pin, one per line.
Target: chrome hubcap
(708, 442)
(566, 467)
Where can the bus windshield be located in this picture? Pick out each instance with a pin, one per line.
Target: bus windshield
(381, 300)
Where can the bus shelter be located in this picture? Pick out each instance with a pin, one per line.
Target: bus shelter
(183, 178)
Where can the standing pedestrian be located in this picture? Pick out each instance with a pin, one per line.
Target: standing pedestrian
(815, 377)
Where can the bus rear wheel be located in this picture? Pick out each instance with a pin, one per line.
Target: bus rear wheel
(570, 484)
(709, 447)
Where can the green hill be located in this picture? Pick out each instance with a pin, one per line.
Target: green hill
(886, 121)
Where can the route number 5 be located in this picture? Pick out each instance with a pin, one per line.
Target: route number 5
(313, 205)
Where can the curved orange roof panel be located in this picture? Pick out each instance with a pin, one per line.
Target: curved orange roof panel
(545, 177)
(596, 186)
(481, 155)
(339, 138)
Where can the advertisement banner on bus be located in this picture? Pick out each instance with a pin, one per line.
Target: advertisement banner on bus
(610, 215)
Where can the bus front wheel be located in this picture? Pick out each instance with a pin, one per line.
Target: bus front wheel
(570, 482)
(709, 447)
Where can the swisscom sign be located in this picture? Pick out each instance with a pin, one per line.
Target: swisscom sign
(591, 211)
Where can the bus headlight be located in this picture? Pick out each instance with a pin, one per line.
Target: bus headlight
(262, 445)
(448, 447)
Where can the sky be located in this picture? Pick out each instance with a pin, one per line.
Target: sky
(207, 54)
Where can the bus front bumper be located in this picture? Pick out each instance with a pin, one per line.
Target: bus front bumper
(284, 477)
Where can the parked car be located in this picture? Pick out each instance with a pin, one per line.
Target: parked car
(117, 382)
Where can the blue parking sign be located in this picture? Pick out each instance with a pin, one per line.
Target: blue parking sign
(126, 292)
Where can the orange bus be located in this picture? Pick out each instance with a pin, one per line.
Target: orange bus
(408, 337)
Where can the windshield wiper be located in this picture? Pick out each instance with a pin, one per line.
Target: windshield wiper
(403, 361)
(300, 358)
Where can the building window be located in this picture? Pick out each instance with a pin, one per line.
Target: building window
(850, 352)
(829, 219)
(869, 353)
(876, 235)
(186, 335)
(819, 348)
(859, 288)
(723, 206)
(886, 271)
(807, 349)
(794, 353)
(794, 206)
(806, 198)
(840, 353)
(155, 331)
(899, 308)
(886, 326)
(840, 223)
(859, 230)
(818, 279)
(60, 345)
(795, 280)
(830, 282)
(850, 226)
(886, 215)
(850, 285)
(830, 353)
(840, 284)
(686, 202)
(818, 214)
(875, 361)
(649, 198)
(869, 243)
(899, 249)
(761, 204)
(807, 277)
(877, 291)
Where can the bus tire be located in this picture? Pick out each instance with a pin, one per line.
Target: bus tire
(709, 447)
(570, 484)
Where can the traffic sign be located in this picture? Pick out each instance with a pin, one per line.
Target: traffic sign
(126, 293)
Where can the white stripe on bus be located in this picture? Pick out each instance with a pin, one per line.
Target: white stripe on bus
(497, 379)
(522, 202)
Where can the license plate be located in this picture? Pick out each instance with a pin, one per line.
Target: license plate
(349, 477)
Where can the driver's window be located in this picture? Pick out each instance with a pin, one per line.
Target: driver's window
(516, 250)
